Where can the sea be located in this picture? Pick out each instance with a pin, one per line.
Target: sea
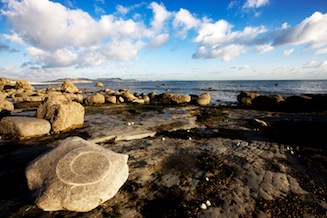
(222, 92)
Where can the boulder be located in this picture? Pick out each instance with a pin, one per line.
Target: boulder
(111, 99)
(62, 114)
(138, 101)
(99, 84)
(95, 99)
(180, 98)
(24, 127)
(204, 99)
(6, 84)
(152, 96)
(23, 84)
(128, 96)
(246, 97)
(268, 102)
(77, 175)
(69, 87)
(299, 103)
(170, 98)
(4, 104)
(121, 99)
(146, 99)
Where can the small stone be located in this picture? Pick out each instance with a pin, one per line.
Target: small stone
(208, 203)
(189, 138)
(207, 179)
(163, 139)
(203, 206)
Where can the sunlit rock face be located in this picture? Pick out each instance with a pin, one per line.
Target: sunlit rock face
(77, 175)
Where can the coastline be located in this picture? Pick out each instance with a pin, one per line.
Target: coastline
(245, 161)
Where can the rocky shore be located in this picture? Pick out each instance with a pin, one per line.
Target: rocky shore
(265, 157)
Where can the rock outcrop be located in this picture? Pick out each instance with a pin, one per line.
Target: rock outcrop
(77, 175)
(68, 87)
(204, 99)
(246, 97)
(24, 127)
(268, 102)
(171, 98)
(62, 114)
(95, 99)
(23, 84)
(4, 104)
(99, 84)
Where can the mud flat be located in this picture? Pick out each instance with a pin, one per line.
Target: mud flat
(191, 161)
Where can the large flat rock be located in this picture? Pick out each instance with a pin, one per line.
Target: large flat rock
(22, 127)
(77, 175)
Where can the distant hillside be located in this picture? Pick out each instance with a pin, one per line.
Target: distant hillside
(73, 80)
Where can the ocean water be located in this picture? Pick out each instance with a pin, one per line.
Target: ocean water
(222, 92)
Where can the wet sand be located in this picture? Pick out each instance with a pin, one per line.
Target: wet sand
(180, 157)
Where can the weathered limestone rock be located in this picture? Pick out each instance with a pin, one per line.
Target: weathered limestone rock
(29, 99)
(4, 104)
(246, 97)
(180, 98)
(170, 98)
(268, 102)
(24, 127)
(77, 175)
(23, 84)
(138, 101)
(95, 99)
(128, 96)
(146, 99)
(152, 96)
(69, 87)
(63, 115)
(111, 99)
(204, 99)
(99, 84)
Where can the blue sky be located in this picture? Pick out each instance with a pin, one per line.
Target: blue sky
(164, 40)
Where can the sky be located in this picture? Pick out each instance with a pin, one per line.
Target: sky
(43, 40)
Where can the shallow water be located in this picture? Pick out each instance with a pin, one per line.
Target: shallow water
(222, 92)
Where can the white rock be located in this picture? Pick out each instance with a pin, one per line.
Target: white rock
(203, 206)
(208, 203)
(77, 175)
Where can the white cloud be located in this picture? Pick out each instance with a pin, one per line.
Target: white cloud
(311, 30)
(264, 48)
(241, 67)
(217, 40)
(226, 53)
(122, 10)
(288, 52)
(255, 3)
(184, 21)
(321, 51)
(160, 16)
(285, 25)
(214, 33)
(159, 40)
(61, 37)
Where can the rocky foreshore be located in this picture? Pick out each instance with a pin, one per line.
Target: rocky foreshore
(74, 153)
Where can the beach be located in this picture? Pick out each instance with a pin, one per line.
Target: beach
(187, 160)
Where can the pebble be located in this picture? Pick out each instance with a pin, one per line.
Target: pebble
(203, 206)
(208, 203)
(163, 139)
(189, 138)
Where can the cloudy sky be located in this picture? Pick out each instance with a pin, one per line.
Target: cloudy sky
(163, 40)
